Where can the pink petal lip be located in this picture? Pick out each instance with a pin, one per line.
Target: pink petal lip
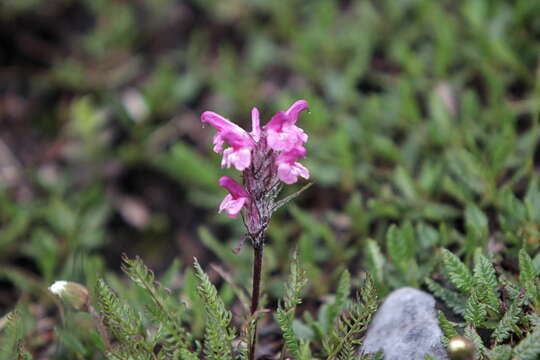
(234, 188)
(232, 206)
(288, 173)
(235, 200)
(239, 157)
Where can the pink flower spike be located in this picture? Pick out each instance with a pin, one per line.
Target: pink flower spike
(255, 124)
(296, 109)
(235, 200)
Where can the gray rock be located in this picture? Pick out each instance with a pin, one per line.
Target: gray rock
(406, 327)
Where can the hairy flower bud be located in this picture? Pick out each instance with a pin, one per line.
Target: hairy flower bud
(71, 293)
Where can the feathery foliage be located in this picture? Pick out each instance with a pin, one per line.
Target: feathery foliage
(457, 272)
(219, 335)
(11, 340)
(529, 347)
(341, 342)
(498, 305)
(286, 311)
(162, 310)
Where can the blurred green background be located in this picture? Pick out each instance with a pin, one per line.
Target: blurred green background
(423, 114)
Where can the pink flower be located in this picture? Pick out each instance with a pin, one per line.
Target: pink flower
(264, 155)
(282, 133)
(239, 154)
(235, 200)
(288, 169)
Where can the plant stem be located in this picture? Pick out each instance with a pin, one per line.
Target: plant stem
(101, 328)
(257, 269)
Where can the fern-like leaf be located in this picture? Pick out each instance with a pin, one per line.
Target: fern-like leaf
(527, 271)
(508, 323)
(165, 313)
(453, 300)
(446, 325)
(484, 271)
(218, 333)
(351, 324)
(528, 348)
(285, 314)
(11, 341)
(458, 273)
(470, 333)
(502, 352)
(119, 318)
(475, 311)
(343, 292)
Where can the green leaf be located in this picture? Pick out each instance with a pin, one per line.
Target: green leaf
(457, 272)
(484, 271)
(470, 333)
(453, 300)
(508, 323)
(70, 341)
(527, 271)
(343, 292)
(501, 352)
(528, 348)
(376, 261)
(219, 334)
(475, 311)
(286, 311)
(476, 222)
(12, 335)
(119, 318)
(447, 326)
(165, 312)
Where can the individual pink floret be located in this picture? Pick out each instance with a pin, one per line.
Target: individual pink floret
(235, 200)
(288, 169)
(239, 154)
(282, 132)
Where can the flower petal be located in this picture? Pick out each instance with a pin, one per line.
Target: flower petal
(239, 158)
(277, 121)
(255, 124)
(288, 173)
(296, 109)
(220, 123)
(234, 188)
(232, 206)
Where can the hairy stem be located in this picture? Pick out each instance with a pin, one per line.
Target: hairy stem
(257, 269)
(101, 328)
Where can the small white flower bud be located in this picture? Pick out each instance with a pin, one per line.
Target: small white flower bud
(71, 293)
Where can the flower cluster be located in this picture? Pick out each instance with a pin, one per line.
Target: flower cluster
(265, 156)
